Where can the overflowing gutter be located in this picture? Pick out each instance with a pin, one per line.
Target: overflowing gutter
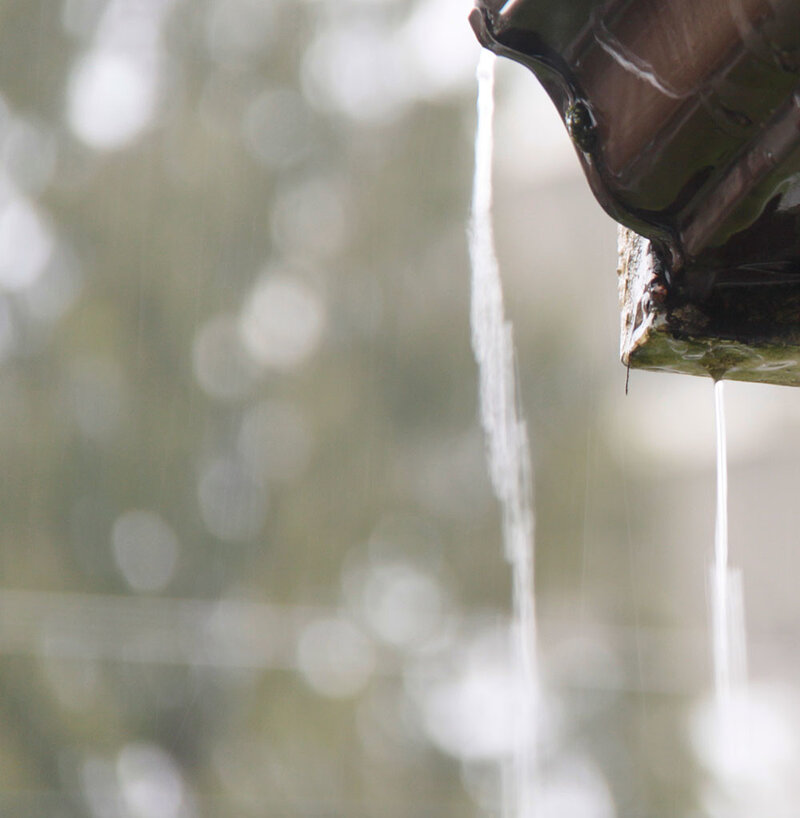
(685, 116)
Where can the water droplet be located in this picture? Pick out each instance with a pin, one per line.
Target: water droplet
(581, 126)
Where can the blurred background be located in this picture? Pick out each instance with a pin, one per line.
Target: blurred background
(250, 563)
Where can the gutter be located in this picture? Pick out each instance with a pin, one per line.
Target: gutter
(685, 117)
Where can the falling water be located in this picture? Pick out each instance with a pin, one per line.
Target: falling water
(507, 445)
(720, 609)
(727, 615)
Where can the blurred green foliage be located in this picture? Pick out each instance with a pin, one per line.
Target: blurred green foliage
(250, 556)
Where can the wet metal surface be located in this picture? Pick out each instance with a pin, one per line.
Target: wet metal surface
(685, 116)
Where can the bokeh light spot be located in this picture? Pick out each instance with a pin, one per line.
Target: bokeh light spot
(112, 98)
(26, 243)
(145, 549)
(150, 782)
(311, 220)
(471, 713)
(222, 367)
(282, 322)
(238, 31)
(403, 604)
(335, 658)
(232, 503)
(277, 128)
(357, 70)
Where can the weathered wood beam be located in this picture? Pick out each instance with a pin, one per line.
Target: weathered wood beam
(725, 327)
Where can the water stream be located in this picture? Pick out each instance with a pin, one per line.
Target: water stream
(720, 606)
(510, 471)
(727, 614)
(507, 446)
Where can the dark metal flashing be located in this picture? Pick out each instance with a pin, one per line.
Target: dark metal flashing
(685, 116)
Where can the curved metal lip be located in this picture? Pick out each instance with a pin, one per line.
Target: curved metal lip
(565, 92)
(701, 229)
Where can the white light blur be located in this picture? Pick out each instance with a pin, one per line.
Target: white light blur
(372, 71)
(278, 128)
(233, 504)
(532, 145)
(751, 751)
(150, 782)
(238, 31)
(310, 220)
(133, 25)
(26, 243)
(114, 88)
(282, 322)
(145, 549)
(356, 69)
(402, 604)
(222, 367)
(474, 717)
(472, 712)
(441, 52)
(112, 99)
(675, 426)
(275, 441)
(335, 658)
